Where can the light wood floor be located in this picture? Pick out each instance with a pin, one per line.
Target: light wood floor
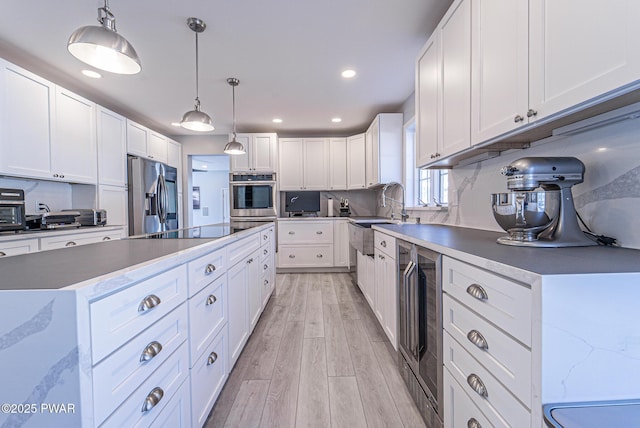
(317, 358)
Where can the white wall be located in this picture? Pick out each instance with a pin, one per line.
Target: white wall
(214, 186)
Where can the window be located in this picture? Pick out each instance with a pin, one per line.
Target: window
(425, 187)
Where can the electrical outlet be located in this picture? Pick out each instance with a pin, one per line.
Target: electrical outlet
(37, 206)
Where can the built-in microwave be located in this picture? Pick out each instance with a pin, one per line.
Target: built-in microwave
(252, 195)
(12, 214)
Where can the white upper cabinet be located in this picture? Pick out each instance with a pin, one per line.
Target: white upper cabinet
(157, 149)
(428, 78)
(580, 50)
(356, 171)
(142, 141)
(383, 149)
(338, 164)
(500, 59)
(304, 163)
(112, 148)
(174, 154)
(261, 156)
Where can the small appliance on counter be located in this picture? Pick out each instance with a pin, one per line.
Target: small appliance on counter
(12, 214)
(539, 212)
(53, 220)
(345, 210)
(90, 217)
(302, 204)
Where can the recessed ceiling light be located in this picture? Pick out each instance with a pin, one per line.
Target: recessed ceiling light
(348, 74)
(177, 124)
(277, 120)
(336, 120)
(205, 166)
(92, 74)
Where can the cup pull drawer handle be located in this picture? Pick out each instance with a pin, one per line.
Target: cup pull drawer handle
(212, 358)
(265, 251)
(292, 256)
(211, 300)
(477, 292)
(265, 237)
(266, 282)
(477, 385)
(478, 339)
(70, 244)
(209, 269)
(473, 423)
(149, 302)
(291, 232)
(150, 351)
(319, 256)
(2, 254)
(106, 238)
(153, 398)
(319, 232)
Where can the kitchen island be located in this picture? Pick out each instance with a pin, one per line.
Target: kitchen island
(129, 331)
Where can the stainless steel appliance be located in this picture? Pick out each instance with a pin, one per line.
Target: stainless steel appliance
(540, 218)
(153, 196)
(252, 195)
(345, 211)
(12, 209)
(53, 220)
(420, 329)
(90, 217)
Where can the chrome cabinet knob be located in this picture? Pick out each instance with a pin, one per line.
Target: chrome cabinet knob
(265, 237)
(518, 118)
(265, 267)
(212, 358)
(250, 261)
(152, 400)
(211, 300)
(384, 244)
(150, 351)
(477, 385)
(149, 302)
(265, 251)
(266, 282)
(476, 291)
(209, 269)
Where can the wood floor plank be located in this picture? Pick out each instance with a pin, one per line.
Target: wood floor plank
(338, 355)
(345, 404)
(247, 407)
(285, 286)
(313, 392)
(340, 286)
(263, 358)
(281, 404)
(277, 320)
(314, 321)
(409, 414)
(329, 296)
(298, 309)
(379, 408)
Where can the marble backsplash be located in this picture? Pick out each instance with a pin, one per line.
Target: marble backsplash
(608, 200)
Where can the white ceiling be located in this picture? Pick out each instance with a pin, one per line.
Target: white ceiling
(288, 55)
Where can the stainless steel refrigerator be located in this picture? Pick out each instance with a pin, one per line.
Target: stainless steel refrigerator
(153, 196)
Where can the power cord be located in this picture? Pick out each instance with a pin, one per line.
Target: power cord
(600, 239)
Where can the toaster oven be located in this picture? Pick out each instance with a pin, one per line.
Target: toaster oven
(12, 214)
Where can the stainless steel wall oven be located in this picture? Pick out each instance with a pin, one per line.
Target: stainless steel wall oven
(252, 195)
(420, 331)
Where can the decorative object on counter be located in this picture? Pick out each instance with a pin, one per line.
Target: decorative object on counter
(544, 218)
(330, 207)
(345, 211)
(196, 120)
(102, 47)
(234, 147)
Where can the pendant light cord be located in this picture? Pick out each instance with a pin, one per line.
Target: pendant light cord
(233, 102)
(197, 88)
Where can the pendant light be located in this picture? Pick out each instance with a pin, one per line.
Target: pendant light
(234, 147)
(196, 120)
(102, 47)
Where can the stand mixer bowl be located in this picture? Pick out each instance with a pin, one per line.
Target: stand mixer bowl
(524, 214)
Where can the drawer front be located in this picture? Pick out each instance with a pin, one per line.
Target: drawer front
(206, 269)
(267, 282)
(497, 403)
(117, 318)
(239, 250)
(266, 252)
(55, 242)
(505, 303)
(305, 256)
(207, 316)
(266, 236)
(23, 246)
(305, 232)
(385, 243)
(208, 376)
(160, 387)
(506, 359)
(122, 372)
(177, 413)
(460, 411)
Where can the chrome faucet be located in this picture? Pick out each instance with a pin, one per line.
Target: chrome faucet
(403, 214)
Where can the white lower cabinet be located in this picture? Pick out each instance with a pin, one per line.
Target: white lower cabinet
(80, 238)
(341, 247)
(385, 285)
(21, 246)
(176, 412)
(305, 243)
(207, 316)
(254, 287)
(460, 410)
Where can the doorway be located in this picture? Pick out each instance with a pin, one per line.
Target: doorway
(209, 183)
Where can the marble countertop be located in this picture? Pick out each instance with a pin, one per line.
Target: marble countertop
(472, 245)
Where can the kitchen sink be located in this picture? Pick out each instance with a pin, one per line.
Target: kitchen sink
(361, 234)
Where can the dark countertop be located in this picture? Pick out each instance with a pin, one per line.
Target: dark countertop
(453, 240)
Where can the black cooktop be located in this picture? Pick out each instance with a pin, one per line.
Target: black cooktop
(210, 232)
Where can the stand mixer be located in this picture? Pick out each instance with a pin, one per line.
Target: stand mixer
(540, 218)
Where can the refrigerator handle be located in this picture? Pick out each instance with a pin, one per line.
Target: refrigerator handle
(160, 202)
(408, 340)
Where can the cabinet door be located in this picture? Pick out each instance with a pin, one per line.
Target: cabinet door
(174, 154)
(26, 105)
(390, 299)
(238, 280)
(338, 164)
(379, 286)
(455, 37)
(73, 147)
(370, 168)
(341, 248)
(291, 160)
(137, 136)
(157, 147)
(112, 148)
(427, 102)
(240, 163)
(114, 199)
(356, 173)
(315, 164)
(254, 288)
(500, 73)
(580, 50)
(264, 152)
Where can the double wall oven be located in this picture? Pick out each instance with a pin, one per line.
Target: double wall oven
(253, 199)
(420, 331)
